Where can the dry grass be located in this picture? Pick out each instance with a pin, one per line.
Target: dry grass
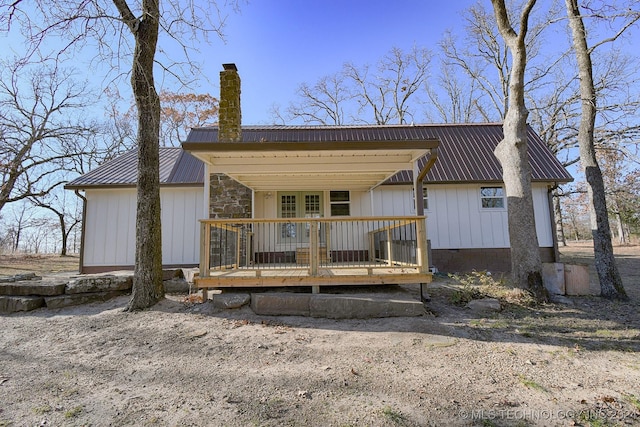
(11, 264)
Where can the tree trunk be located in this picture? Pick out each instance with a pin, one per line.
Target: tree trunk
(147, 279)
(606, 267)
(63, 233)
(526, 265)
(557, 217)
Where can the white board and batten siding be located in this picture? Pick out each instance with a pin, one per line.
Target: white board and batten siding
(110, 227)
(456, 219)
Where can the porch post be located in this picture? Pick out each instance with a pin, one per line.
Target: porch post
(314, 251)
(205, 244)
(207, 192)
(421, 245)
(421, 224)
(417, 190)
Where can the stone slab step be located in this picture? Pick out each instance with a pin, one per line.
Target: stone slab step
(61, 301)
(13, 304)
(19, 288)
(333, 306)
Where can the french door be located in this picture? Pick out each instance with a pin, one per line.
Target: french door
(299, 204)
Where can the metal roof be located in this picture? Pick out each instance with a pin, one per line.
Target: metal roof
(465, 153)
(301, 134)
(177, 167)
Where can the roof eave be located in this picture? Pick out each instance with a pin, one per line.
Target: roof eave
(267, 146)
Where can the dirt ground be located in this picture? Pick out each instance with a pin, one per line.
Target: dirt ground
(181, 364)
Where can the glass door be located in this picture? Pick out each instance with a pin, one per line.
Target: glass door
(298, 205)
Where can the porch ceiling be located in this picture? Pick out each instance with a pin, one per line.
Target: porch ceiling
(311, 166)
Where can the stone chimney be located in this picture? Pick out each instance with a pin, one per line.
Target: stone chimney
(229, 114)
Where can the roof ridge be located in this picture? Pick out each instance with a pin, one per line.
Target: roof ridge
(356, 126)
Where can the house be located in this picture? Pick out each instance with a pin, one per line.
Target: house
(312, 205)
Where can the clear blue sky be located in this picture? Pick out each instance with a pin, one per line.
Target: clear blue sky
(277, 45)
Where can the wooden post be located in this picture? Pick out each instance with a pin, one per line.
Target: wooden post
(238, 246)
(314, 249)
(205, 244)
(314, 253)
(205, 241)
(421, 249)
(389, 246)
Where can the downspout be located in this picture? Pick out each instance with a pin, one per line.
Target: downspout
(82, 233)
(554, 234)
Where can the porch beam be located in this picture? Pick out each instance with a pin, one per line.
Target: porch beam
(328, 166)
(342, 280)
(302, 158)
(336, 178)
(271, 146)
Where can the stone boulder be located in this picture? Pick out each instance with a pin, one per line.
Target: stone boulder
(20, 277)
(176, 285)
(61, 301)
(12, 304)
(230, 300)
(99, 284)
(19, 288)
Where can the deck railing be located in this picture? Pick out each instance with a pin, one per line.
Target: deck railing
(313, 243)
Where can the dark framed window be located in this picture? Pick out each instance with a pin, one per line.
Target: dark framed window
(340, 202)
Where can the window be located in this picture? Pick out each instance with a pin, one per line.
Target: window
(492, 197)
(288, 207)
(340, 203)
(425, 199)
(298, 205)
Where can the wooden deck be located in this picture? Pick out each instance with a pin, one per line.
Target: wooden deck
(379, 251)
(301, 277)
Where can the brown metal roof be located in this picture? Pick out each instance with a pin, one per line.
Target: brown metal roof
(177, 167)
(283, 134)
(465, 153)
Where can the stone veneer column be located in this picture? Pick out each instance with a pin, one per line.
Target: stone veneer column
(229, 114)
(228, 198)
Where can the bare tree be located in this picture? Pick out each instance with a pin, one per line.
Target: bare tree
(15, 225)
(388, 90)
(482, 48)
(623, 195)
(67, 214)
(322, 103)
(39, 128)
(181, 111)
(147, 286)
(384, 94)
(452, 99)
(526, 264)
(610, 281)
(141, 22)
